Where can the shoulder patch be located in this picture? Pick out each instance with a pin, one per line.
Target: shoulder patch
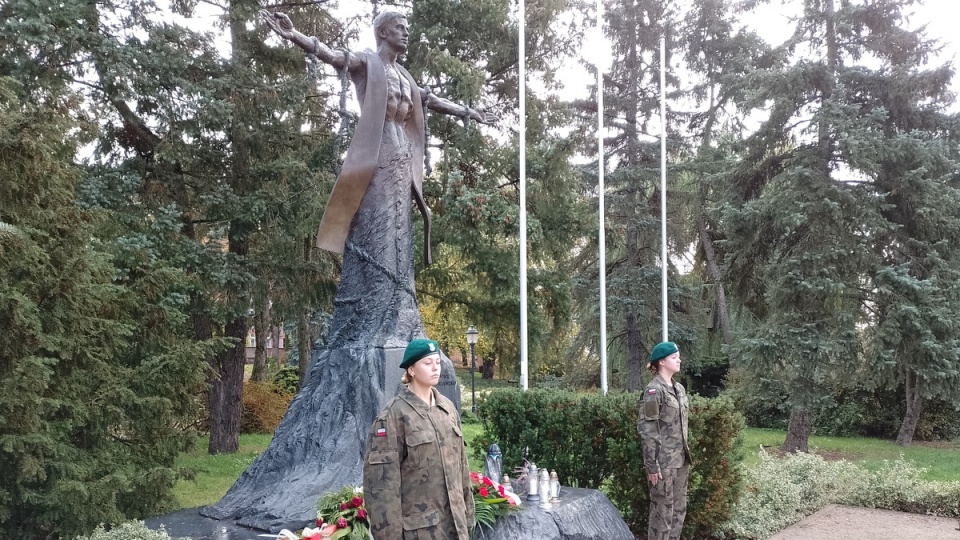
(652, 391)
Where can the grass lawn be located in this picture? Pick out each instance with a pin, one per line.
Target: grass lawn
(941, 459)
(215, 474)
(483, 386)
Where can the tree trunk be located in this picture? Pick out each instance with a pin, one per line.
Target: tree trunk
(226, 392)
(713, 274)
(275, 341)
(304, 340)
(260, 329)
(798, 430)
(634, 355)
(304, 336)
(915, 403)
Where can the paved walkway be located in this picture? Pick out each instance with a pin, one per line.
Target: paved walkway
(836, 522)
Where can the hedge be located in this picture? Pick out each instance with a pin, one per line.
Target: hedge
(592, 442)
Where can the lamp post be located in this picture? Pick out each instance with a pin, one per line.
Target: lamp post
(472, 340)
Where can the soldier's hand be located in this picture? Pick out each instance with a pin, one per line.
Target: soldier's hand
(654, 478)
(279, 23)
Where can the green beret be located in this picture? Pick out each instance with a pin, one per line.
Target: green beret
(417, 349)
(662, 351)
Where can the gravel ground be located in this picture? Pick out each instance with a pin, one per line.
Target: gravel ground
(836, 522)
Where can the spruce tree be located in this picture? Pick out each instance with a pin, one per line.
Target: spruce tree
(810, 222)
(93, 385)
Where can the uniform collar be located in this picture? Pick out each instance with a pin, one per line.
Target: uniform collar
(418, 405)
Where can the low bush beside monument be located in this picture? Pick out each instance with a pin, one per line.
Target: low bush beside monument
(592, 442)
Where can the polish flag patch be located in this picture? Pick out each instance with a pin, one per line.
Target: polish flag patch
(381, 432)
(652, 391)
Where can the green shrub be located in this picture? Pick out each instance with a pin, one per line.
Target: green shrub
(287, 378)
(591, 440)
(264, 405)
(781, 491)
(556, 428)
(715, 478)
(468, 417)
(132, 530)
(898, 486)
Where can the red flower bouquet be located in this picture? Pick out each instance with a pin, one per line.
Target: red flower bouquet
(491, 500)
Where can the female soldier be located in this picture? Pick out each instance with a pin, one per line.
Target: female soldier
(666, 454)
(416, 480)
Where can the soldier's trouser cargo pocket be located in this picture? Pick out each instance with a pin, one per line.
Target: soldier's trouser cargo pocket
(668, 504)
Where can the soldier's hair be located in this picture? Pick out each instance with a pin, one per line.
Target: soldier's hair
(406, 378)
(654, 367)
(382, 20)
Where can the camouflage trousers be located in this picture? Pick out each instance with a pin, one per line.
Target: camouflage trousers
(668, 504)
(445, 530)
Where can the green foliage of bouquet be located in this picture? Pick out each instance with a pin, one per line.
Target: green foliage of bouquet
(490, 499)
(343, 513)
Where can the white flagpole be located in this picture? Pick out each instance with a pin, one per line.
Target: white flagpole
(663, 182)
(603, 232)
(523, 197)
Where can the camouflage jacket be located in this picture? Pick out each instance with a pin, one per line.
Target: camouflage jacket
(415, 472)
(663, 426)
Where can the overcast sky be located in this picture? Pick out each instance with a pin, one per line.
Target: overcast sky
(771, 21)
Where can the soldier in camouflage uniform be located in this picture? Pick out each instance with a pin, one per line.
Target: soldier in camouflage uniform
(666, 454)
(416, 480)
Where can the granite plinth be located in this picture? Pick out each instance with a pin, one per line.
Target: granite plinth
(319, 445)
(190, 524)
(582, 514)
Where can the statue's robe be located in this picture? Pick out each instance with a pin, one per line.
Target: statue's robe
(369, 219)
(362, 157)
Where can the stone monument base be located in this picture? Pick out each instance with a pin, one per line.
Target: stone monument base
(582, 514)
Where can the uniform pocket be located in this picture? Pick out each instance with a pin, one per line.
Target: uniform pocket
(380, 458)
(670, 410)
(419, 448)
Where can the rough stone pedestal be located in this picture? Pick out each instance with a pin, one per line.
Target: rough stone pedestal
(319, 445)
(581, 514)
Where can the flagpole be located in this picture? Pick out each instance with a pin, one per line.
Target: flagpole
(663, 184)
(603, 232)
(524, 383)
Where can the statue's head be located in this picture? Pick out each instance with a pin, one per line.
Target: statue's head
(385, 23)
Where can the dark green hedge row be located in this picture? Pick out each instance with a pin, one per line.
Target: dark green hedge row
(592, 442)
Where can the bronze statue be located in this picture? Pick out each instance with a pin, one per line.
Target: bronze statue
(368, 216)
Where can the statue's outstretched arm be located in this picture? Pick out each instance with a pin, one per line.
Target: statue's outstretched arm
(283, 26)
(445, 106)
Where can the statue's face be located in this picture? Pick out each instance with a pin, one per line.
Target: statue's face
(396, 34)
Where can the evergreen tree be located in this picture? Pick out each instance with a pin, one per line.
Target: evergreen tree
(806, 229)
(913, 340)
(631, 113)
(94, 385)
(216, 145)
(468, 53)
